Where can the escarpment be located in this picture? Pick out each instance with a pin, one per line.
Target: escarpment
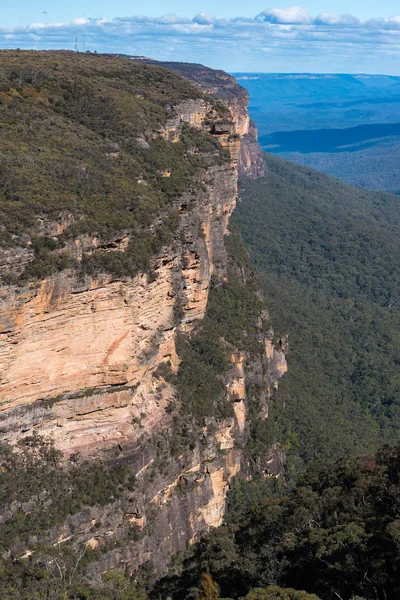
(225, 87)
(104, 352)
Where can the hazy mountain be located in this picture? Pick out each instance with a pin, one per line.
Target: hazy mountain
(344, 125)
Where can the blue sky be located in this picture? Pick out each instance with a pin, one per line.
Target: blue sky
(317, 36)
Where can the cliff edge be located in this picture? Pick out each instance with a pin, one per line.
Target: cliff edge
(117, 264)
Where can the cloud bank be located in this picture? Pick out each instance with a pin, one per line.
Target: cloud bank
(294, 15)
(277, 39)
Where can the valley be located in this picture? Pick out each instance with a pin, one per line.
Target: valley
(343, 125)
(199, 341)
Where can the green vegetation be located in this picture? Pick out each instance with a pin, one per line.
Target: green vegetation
(328, 258)
(200, 377)
(59, 575)
(79, 150)
(373, 166)
(336, 535)
(38, 490)
(232, 322)
(273, 592)
(80, 146)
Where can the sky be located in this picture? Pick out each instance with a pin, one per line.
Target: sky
(348, 36)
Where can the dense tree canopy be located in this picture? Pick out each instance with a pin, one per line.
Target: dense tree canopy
(336, 535)
(328, 257)
(81, 147)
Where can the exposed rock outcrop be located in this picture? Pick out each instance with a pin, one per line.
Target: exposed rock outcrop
(78, 358)
(225, 87)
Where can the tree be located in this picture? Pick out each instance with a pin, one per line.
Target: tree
(209, 589)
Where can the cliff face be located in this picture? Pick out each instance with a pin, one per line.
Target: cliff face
(63, 336)
(225, 87)
(80, 357)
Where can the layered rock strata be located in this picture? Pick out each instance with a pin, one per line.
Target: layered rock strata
(236, 98)
(78, 361)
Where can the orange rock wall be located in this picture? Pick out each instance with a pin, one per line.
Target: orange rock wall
(78, 358)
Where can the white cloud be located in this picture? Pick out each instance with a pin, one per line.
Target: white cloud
(172, 19)
(205, 19)
(80, 21)
(329, 19)
(276, 39)
(387, 24)
(293, 15)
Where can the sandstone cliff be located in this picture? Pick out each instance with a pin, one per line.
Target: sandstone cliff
(80, 356)
(225, 87)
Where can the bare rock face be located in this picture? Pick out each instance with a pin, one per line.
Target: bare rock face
(236, 98)
(251, 162)
(14, 260)
(62, 336)
(78, 360)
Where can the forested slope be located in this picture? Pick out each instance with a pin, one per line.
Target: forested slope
(112, 249)
(123, 310)
(82, 142)
(335, 535)
(328, 255)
